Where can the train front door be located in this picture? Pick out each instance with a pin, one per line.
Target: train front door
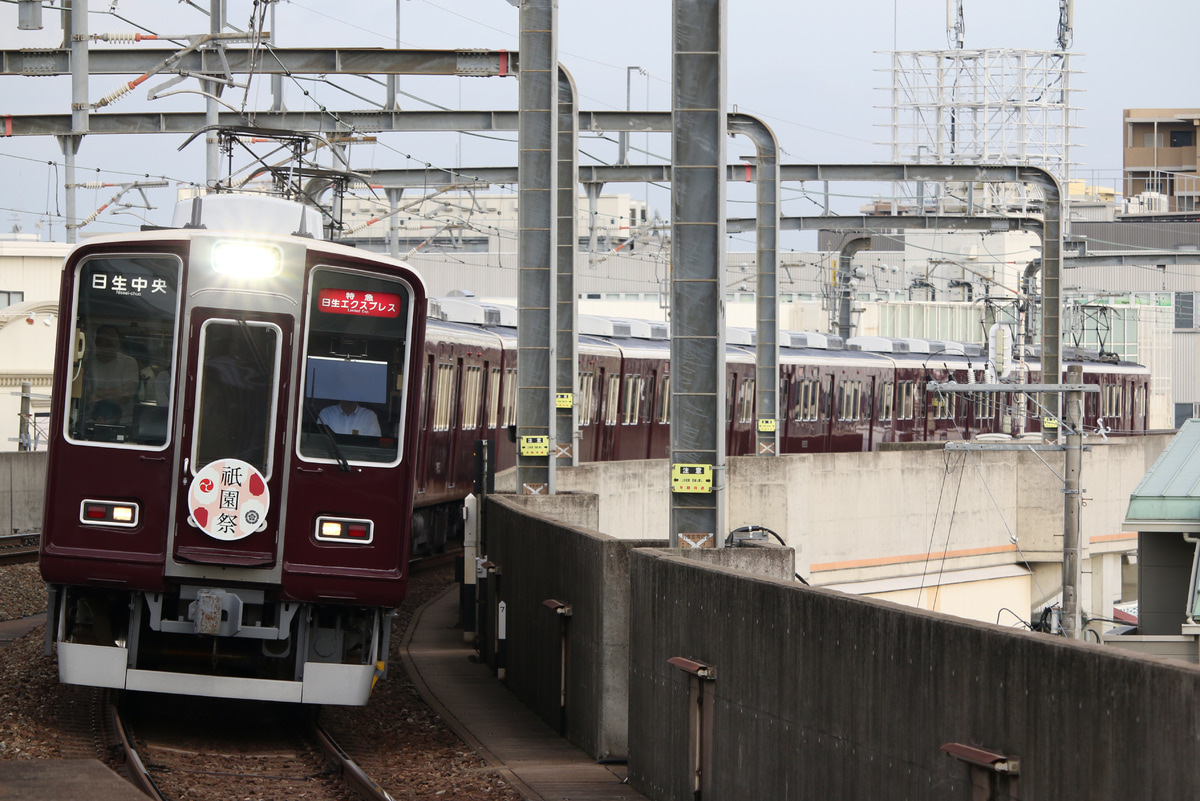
(232, 441)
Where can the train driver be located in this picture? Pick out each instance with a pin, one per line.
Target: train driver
(347, 417)
(110, 376)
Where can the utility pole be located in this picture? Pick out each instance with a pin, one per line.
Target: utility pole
(1072, 419)
(623, 136)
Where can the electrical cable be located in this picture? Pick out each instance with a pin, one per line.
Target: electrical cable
(730, 541)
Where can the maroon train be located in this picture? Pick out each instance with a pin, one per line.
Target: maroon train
(252, 431)
(212, 526)
(833, 396)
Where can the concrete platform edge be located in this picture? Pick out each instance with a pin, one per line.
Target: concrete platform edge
(453, 722)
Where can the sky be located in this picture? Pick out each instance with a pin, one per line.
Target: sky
(813, 71)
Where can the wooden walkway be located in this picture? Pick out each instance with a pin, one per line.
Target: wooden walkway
(532, 757)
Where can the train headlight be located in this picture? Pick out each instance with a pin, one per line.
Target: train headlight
(246, 260)
(344, 529)
(109, 513)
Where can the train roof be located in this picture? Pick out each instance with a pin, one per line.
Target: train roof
(463, 332)
(260, 214)
(922, 347)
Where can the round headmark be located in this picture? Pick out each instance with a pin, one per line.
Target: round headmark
(229, 500)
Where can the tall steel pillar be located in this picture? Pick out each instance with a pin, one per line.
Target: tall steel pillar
(697, 272)
(537, 163)
(567, 360)
(75, 28)
(766, 215)
(212, 109)
(1052, 295)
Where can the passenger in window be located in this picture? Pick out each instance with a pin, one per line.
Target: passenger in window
(110, 375)
(347, 417)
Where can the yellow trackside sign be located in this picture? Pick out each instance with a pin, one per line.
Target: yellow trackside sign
(535, 446)
(691, 478)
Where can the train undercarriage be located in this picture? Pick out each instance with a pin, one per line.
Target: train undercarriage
(222, 642)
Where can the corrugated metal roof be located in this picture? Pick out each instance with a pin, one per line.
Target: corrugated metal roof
(1168, 498)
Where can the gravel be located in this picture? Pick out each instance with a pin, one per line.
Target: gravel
(424, 758)
(22, 591)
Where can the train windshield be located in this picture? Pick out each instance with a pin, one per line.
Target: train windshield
(239, 365)
(355, 363)
(122, 355)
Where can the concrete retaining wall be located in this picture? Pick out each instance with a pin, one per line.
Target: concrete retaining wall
(22, 488)
(824, 695)
(540, 559)
(541, 556)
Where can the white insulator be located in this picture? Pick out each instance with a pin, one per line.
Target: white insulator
(115, 37)
(92, 185)
(113, 96)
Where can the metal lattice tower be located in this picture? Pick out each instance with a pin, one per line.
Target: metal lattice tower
(995, 106)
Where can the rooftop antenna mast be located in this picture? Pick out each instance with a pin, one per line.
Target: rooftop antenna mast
(1066, 24)
(956, 27)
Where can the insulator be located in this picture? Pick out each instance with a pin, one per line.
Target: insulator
(114, 37)
(113, 96)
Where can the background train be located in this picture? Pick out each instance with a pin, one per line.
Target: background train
(832, 396)
(250, 433)
(210, 528)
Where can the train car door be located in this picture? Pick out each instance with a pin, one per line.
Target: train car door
(427, 392)
(872, 414)
(232, 443)
(828, 412)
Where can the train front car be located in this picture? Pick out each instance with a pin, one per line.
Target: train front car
(229, 490)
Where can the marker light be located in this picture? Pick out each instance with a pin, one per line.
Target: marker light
(108, 513)
(341, 529)
(246, 260)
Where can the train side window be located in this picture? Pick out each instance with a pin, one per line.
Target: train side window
(585, 397)
(472, 380)
(510, 397)
(906, 400)
(426, 389)
(664, 401)
(122, 361)
(443, 406)
(747, 411)
(493, 399)
(632, 396)
(611, 398)
(885, 401)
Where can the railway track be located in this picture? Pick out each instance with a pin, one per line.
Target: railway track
(18, 548)
(177, 748)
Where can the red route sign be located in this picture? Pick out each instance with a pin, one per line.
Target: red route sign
(359, 303)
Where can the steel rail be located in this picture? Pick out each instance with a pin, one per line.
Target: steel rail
(134, 768)
(355, 778)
